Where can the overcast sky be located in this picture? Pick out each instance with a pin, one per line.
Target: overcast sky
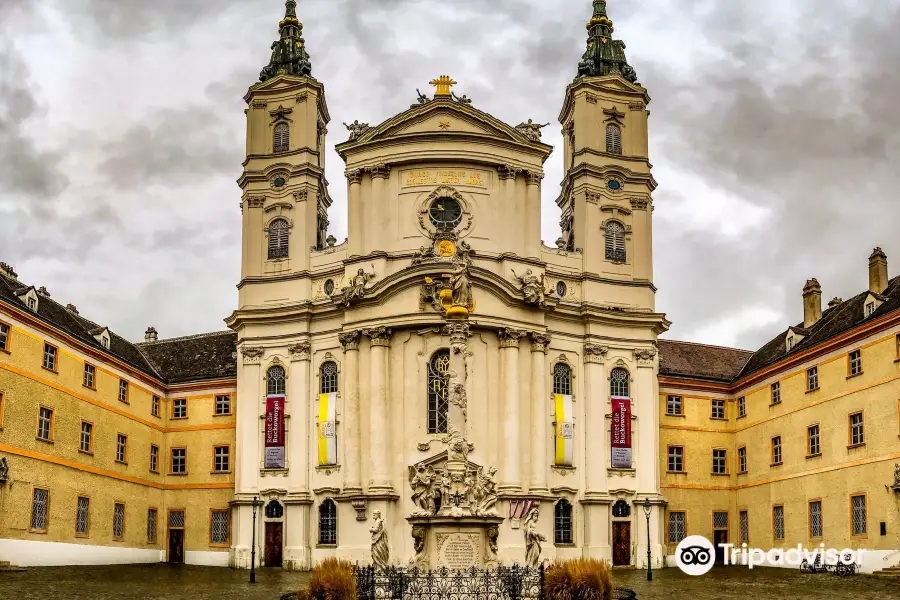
(775, 137)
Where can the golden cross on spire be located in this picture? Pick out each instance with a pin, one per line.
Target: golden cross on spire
(442, 85)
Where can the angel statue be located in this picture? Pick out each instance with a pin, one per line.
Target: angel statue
(532, 287)
(486, 494)
(356, 129)
(461, 284)
(421, 480)
(381, 553)
(531, 130)
(533, 539)
(357, 288)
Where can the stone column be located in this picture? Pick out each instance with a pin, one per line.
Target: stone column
(249, 407)
(508, 185)
(645, 403)
(510, 475)
(379, 210)
(642, 238)
(596, 454)
(350, 416)
(379, 452)
(539, 412)
(533, 213)
(457, 411)
(355, 223)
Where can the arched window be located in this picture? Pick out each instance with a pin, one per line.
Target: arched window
(615, 241)
(613, 138)
(328, 377)
(438, 368)
(621, 509)
(618, 383)
(328, 523)
(275, 381)
(562, 523)
(274, 510)
(282, 138)
(562, 379)
(279, 235)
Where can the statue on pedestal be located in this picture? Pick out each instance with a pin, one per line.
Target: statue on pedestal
(422, 480)
(533, 539)
(532, 287)
(381, 553)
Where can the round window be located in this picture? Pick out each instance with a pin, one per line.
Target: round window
(329, 287)
(279, 181)
(561, 289)
(614, 185)
(445, 213)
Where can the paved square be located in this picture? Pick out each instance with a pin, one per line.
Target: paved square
(162, 582)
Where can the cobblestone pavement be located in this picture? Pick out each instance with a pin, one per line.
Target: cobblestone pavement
(162, 582)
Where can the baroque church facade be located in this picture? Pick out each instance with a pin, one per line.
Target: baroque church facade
(442, 388)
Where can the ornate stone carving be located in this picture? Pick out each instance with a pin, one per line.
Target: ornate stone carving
(461, 99)
(425, 254)
(459, 334)
(349, 340)
(360, 505)
(533, 539)
(456, 393)
(509, 338)
(356, 129)
(531, 130)
(636, 106)
(301, 196)
(381, 552)
(540, 342)
(592, 197)
(532, 287)
(4, 470)
(644, 356)
(639, 203)
(357, 288)
(507, 171)
(299, 351)
(592, 99)
(458, 447)
(491, 559)
(469, 490)
(379, 336)
(354, 177)
(252, 355)
(420, 559)
(260, 104)
(420, 99)
(461, 283)
(533, 177)
(595, 353)
(896, 485)
(256, 201)
(381, 171)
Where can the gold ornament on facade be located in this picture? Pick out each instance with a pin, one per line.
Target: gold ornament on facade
(446, 248)
(442, 85)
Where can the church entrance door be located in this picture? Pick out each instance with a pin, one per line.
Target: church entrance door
(621, 543)
(274, 533)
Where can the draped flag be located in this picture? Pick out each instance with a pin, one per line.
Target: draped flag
(327, 433)
(565, 426)
(274, 432)
(621, 432)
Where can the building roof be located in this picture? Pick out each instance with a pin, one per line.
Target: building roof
(700, 361)
(194, 358)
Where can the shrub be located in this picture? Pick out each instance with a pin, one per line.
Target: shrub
(332, 579)
(579, 579)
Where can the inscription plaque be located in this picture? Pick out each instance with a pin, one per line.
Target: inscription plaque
(458, 550)
(444, 176)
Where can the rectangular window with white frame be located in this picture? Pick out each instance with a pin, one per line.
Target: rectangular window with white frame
(813, 441)
(123, 391)
(82, 516)
(855, 363)
(720, 461)
(50, 353)
(859, 524)
(676, 459)
(815, 519)
(223, 405)
(778, 522)
(677, 526)
(179, 408)
(89, 374)
(45, 424)
(776, 450)
(744, 518)
(121, 448)
(776, 392)
(179, 461)
(742, 407)
(4, 337)
(154, 458)
(718, 409)
(742, 460)
(218, 528)
(857, 430)
(221, 459)
(40, 509)
(674, 406)
(118, 521)
(152, 515)
(812, 379)
(87, 437)
(154, 406)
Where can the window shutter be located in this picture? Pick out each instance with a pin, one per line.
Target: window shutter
(279, 236)
(615, 241)
(282, 141)
(613, 139)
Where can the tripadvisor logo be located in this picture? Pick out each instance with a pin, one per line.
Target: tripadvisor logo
(695, 555)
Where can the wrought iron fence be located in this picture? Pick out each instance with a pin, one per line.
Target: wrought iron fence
(500, 583)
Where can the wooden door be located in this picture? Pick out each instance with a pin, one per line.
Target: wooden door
(176, 546)
(621, 544)
(720, 536)
(273, 544)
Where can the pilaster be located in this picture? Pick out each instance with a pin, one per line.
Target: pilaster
(350, 426)
(511, 477)
(355, 223)
(539, 413)
(379, 453)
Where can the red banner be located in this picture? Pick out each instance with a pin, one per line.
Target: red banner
(621, 432)
(274, 432)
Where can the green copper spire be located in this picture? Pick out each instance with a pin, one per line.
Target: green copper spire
(604, 55)
(289, 54)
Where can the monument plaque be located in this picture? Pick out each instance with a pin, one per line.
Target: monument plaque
(459, 550)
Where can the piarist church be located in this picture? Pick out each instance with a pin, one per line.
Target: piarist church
(442, 388)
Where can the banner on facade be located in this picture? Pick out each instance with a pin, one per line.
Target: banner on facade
(565, 429)
(621, 432)
(327, 434)
(274, 432)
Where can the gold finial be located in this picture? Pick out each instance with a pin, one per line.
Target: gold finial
(442, 85)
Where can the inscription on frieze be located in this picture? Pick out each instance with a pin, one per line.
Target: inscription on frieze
(445, 177)
(458, 550)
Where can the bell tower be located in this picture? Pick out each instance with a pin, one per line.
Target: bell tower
(285, 197)
(606, 193)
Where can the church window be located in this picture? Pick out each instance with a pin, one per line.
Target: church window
(278, 239)
(621, 510)
(275, 381)
(438, 406)
(613, 138)
(328, 378)
(618, 383)
(562, 379)
(562, 523)
(445, 213)
(328, 523)
(561, 289)
(282, 141)
(274, 510)
(615, 241)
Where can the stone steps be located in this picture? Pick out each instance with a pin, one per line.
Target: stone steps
(889, 573)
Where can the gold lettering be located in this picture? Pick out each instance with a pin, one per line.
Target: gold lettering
(446, 177)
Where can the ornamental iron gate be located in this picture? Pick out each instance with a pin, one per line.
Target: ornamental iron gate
(501, 583)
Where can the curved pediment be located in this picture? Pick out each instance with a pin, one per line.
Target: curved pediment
(444, 119)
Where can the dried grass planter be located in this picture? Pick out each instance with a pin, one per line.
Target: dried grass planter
(332, 579)
(578, 579)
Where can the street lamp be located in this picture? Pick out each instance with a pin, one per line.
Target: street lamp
(647, 510)
(256, 502)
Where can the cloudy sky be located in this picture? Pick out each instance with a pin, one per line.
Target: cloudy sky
(775, 136)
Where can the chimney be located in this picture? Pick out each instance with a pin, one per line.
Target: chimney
(878, 272)
(43, 292)
(150, 335)
(72, 309)
(8, 272)
(812, 303)
(835, 302)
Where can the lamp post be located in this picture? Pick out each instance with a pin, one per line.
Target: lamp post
(256, 503)
(647, 509)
